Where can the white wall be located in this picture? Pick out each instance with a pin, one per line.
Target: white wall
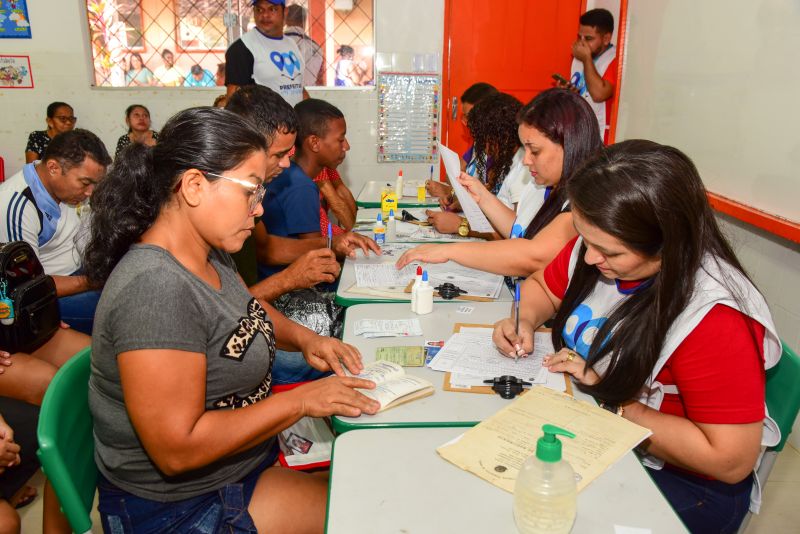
(59, 52)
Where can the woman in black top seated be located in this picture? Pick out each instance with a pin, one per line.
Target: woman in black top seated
(60, 118)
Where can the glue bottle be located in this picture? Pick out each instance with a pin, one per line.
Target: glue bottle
(391, 228)
(545, 492)
(415, 287)
(424, 296)
(398, 188)
(379, 232)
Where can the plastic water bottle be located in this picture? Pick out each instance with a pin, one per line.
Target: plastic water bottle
(545, 493)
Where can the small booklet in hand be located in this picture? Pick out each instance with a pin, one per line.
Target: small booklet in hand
(393, 386)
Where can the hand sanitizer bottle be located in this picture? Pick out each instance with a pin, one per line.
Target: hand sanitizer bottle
(545, 492)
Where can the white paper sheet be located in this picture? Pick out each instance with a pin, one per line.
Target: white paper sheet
(387, 327)
(375, 274)
(383, 275)
(477, 220)
(474, 354)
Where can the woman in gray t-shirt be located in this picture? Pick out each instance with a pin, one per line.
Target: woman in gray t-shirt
(182, 353)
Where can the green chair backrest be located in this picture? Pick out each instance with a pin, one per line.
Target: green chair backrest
(783, 393)
(66, 443)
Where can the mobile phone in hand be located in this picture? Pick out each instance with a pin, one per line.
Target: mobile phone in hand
(559, 78)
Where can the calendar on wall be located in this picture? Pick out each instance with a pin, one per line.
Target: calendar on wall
(408, 117)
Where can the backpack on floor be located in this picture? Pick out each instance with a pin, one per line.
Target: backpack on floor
(31, 294)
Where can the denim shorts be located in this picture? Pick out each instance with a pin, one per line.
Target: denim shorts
(707, 506)
(222, 510)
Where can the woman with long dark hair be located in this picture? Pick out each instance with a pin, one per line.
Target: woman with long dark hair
(656, 318)
(495, 162)
(182, 354)
(558, 130)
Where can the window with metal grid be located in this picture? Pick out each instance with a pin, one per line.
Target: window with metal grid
(183, 42)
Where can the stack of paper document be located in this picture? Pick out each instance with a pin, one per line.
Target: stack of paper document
(476, 283)
(472, 357)
(370, 328)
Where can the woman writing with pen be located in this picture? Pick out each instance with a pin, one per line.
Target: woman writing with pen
(655, 317)
(558, 130)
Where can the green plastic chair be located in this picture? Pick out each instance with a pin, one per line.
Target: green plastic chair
(783, 402)
(66, 444)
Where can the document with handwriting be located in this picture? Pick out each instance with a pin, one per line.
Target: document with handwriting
(477, 220)
(496, 448)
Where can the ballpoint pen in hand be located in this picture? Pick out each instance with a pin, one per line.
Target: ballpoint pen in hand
(330, 236)
(516, 319)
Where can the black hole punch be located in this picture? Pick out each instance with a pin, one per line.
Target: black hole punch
(448, 291)
(507, 386)
(406, 216)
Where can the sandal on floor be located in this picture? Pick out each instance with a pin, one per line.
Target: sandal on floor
(23, 497)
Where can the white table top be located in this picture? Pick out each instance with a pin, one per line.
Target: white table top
(347, 279)
(392, 480)
(443, 407)
(370, 197)
(371, 214)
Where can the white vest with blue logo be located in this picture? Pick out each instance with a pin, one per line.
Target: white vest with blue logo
(583, 324)
(277, 64)
(578, 79)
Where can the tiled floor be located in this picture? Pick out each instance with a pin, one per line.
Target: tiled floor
(779, 513)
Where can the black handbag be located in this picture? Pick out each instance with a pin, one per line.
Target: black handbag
(33, 297)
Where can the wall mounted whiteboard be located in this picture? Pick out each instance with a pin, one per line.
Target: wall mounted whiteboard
(718, 79)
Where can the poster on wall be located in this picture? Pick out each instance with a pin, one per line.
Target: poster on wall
(14, 22)
(408, 117)
(15, 72)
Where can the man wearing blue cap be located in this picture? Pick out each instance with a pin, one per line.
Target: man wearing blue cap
(264, 56)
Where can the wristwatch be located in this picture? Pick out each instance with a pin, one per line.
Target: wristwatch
(463, 228)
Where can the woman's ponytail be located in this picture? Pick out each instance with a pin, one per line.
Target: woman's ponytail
(124, 205)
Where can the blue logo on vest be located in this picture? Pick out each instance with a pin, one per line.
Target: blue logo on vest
(579, 82)
(580, 329)
(287, 61)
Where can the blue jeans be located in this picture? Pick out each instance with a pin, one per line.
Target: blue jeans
(705, 506)
(291, 367)
(78, 310)
(223, 510)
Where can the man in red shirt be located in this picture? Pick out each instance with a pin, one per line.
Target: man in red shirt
(594, 65)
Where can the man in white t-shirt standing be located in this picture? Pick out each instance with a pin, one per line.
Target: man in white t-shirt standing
(264, 56)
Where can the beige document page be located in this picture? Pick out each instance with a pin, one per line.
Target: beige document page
(496, 448)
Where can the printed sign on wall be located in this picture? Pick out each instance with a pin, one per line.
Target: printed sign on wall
(15, 72)
(14, 22)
